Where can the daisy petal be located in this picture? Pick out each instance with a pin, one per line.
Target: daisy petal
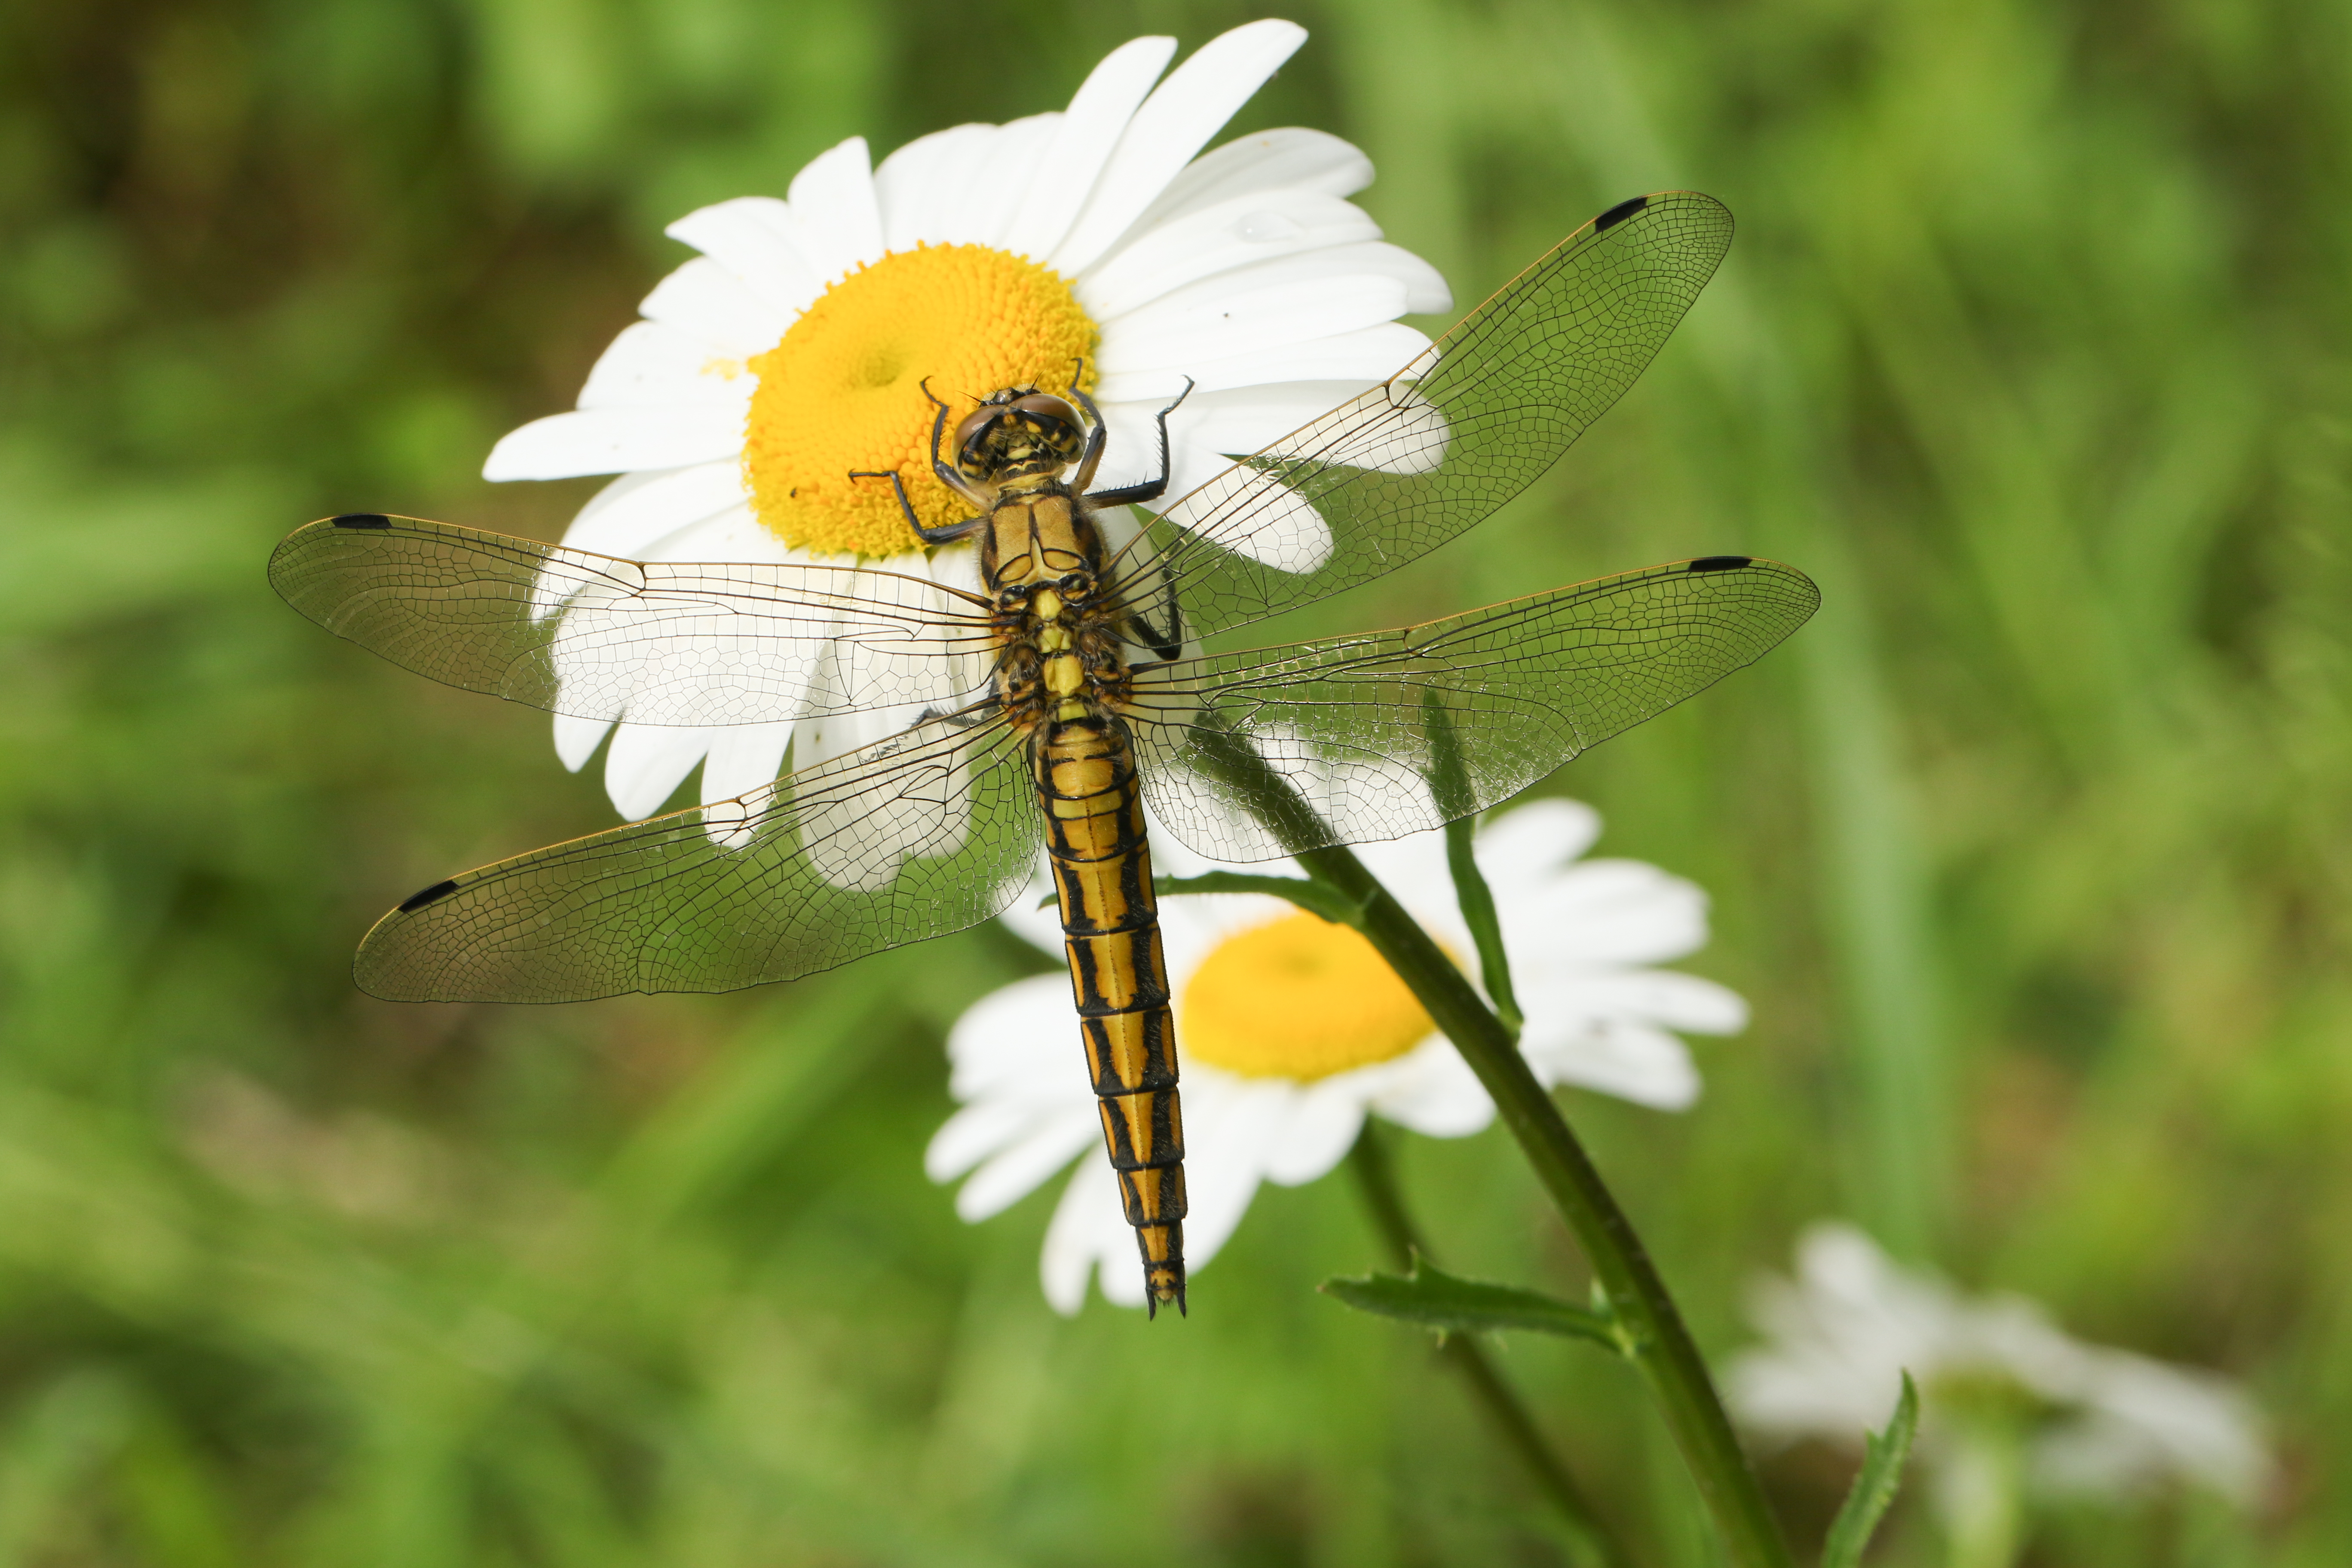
(576, 740)
(1082, 142)
(616, 440)
(1174, 336)
(1435, 1094)
(1365, 357)
(838, 221)
(1632, 1062)
(918, 186)
(1087, 1229)
(1529, 840)
(650, 367)
(1291, 159)
(1660, 996)
(1208, 271)
(1024, 1166)
(638, 510)
(1255, 514)
(1005, 1044)
(1230, 236)
(1322, 1129)
(705, 301)
(647, 763)
(752, 237)
(1198, 97)
(1017, 162)
(742, 758)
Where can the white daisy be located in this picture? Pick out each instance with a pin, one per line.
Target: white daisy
(1996, 1377)
(791, 353)
(1292, 1029)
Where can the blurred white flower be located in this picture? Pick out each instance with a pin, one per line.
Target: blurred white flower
(794, 352)
(1292, 1029)
(2085, 1420)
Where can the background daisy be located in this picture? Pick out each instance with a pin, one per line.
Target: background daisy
(1292, 1030)
(2008, 1403)
(791, 352)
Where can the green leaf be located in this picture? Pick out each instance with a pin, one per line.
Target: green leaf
(1874, 1489)
(1436, 1299)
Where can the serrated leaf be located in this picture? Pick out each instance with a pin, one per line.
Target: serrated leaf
(1874, 1489)
(1436, 1299)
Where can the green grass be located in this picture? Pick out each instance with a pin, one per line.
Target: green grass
(2031, 852)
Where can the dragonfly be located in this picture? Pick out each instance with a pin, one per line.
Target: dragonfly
(1074, 686)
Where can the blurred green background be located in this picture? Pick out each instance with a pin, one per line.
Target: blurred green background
(2031, 852)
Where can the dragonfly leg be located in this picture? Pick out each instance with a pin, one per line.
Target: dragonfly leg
(949, 473)
(1167, 645)
(946, 535)
(1149, 490)
(1095, 435)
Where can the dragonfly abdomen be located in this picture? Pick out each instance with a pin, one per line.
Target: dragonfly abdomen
(1095, 840)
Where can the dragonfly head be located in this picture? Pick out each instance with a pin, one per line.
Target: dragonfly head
(1018, 433)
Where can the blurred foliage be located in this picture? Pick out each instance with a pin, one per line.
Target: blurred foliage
(2031, 852)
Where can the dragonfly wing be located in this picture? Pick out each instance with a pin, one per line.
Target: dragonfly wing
(600, 637)
(913, 838)
(1248, 757)
(1468, 425)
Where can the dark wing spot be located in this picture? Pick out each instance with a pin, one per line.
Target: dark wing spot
(432, 895)
(1619, 214)
(1719, 564)
(362, 519)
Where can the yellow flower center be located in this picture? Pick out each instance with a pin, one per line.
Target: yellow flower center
(843, 391)
(1297, 997)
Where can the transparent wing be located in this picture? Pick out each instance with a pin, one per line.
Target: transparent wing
(1453, 435)
(600, 637)
(1247, 756)
(915, 837)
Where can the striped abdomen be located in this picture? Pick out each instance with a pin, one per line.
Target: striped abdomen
(1110, 924)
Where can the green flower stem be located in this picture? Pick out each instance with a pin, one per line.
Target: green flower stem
(1589, 1539)
(1662, 1348)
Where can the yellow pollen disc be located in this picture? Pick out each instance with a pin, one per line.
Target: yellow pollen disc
(1297, 997)
(843, 391)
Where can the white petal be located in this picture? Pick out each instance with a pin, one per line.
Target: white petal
(1016, 162)
(1292, 158)
(1174, 334)
(1008, 1044)
(1083, 142)
(1632, 1062)
(1209, 269)
(652, 366)
(705, 301)
(752, 238)
(647, 763)
(1390, 428)
(1436, 1094)
(1370, 355)
(742, 758)
(1024, 1166)
(974, 1132)
(616, 440)
(1215, 243)
(1231, 1127)
(1089, 1228)
(1322, 1129)
(1614, 911)
(637, 512)
(837, 222)
(576, 740)
(1174, 124)
(1567, 998)
(1516, 846)
(922, 185)
(1259, 517)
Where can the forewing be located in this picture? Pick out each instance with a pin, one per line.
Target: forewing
(1247, 756)
(1465, 427)
(600, 637)
(915, 837)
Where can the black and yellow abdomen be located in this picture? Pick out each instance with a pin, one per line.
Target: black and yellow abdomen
(1101, 858)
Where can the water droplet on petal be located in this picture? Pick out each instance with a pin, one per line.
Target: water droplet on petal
(1266, 227)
